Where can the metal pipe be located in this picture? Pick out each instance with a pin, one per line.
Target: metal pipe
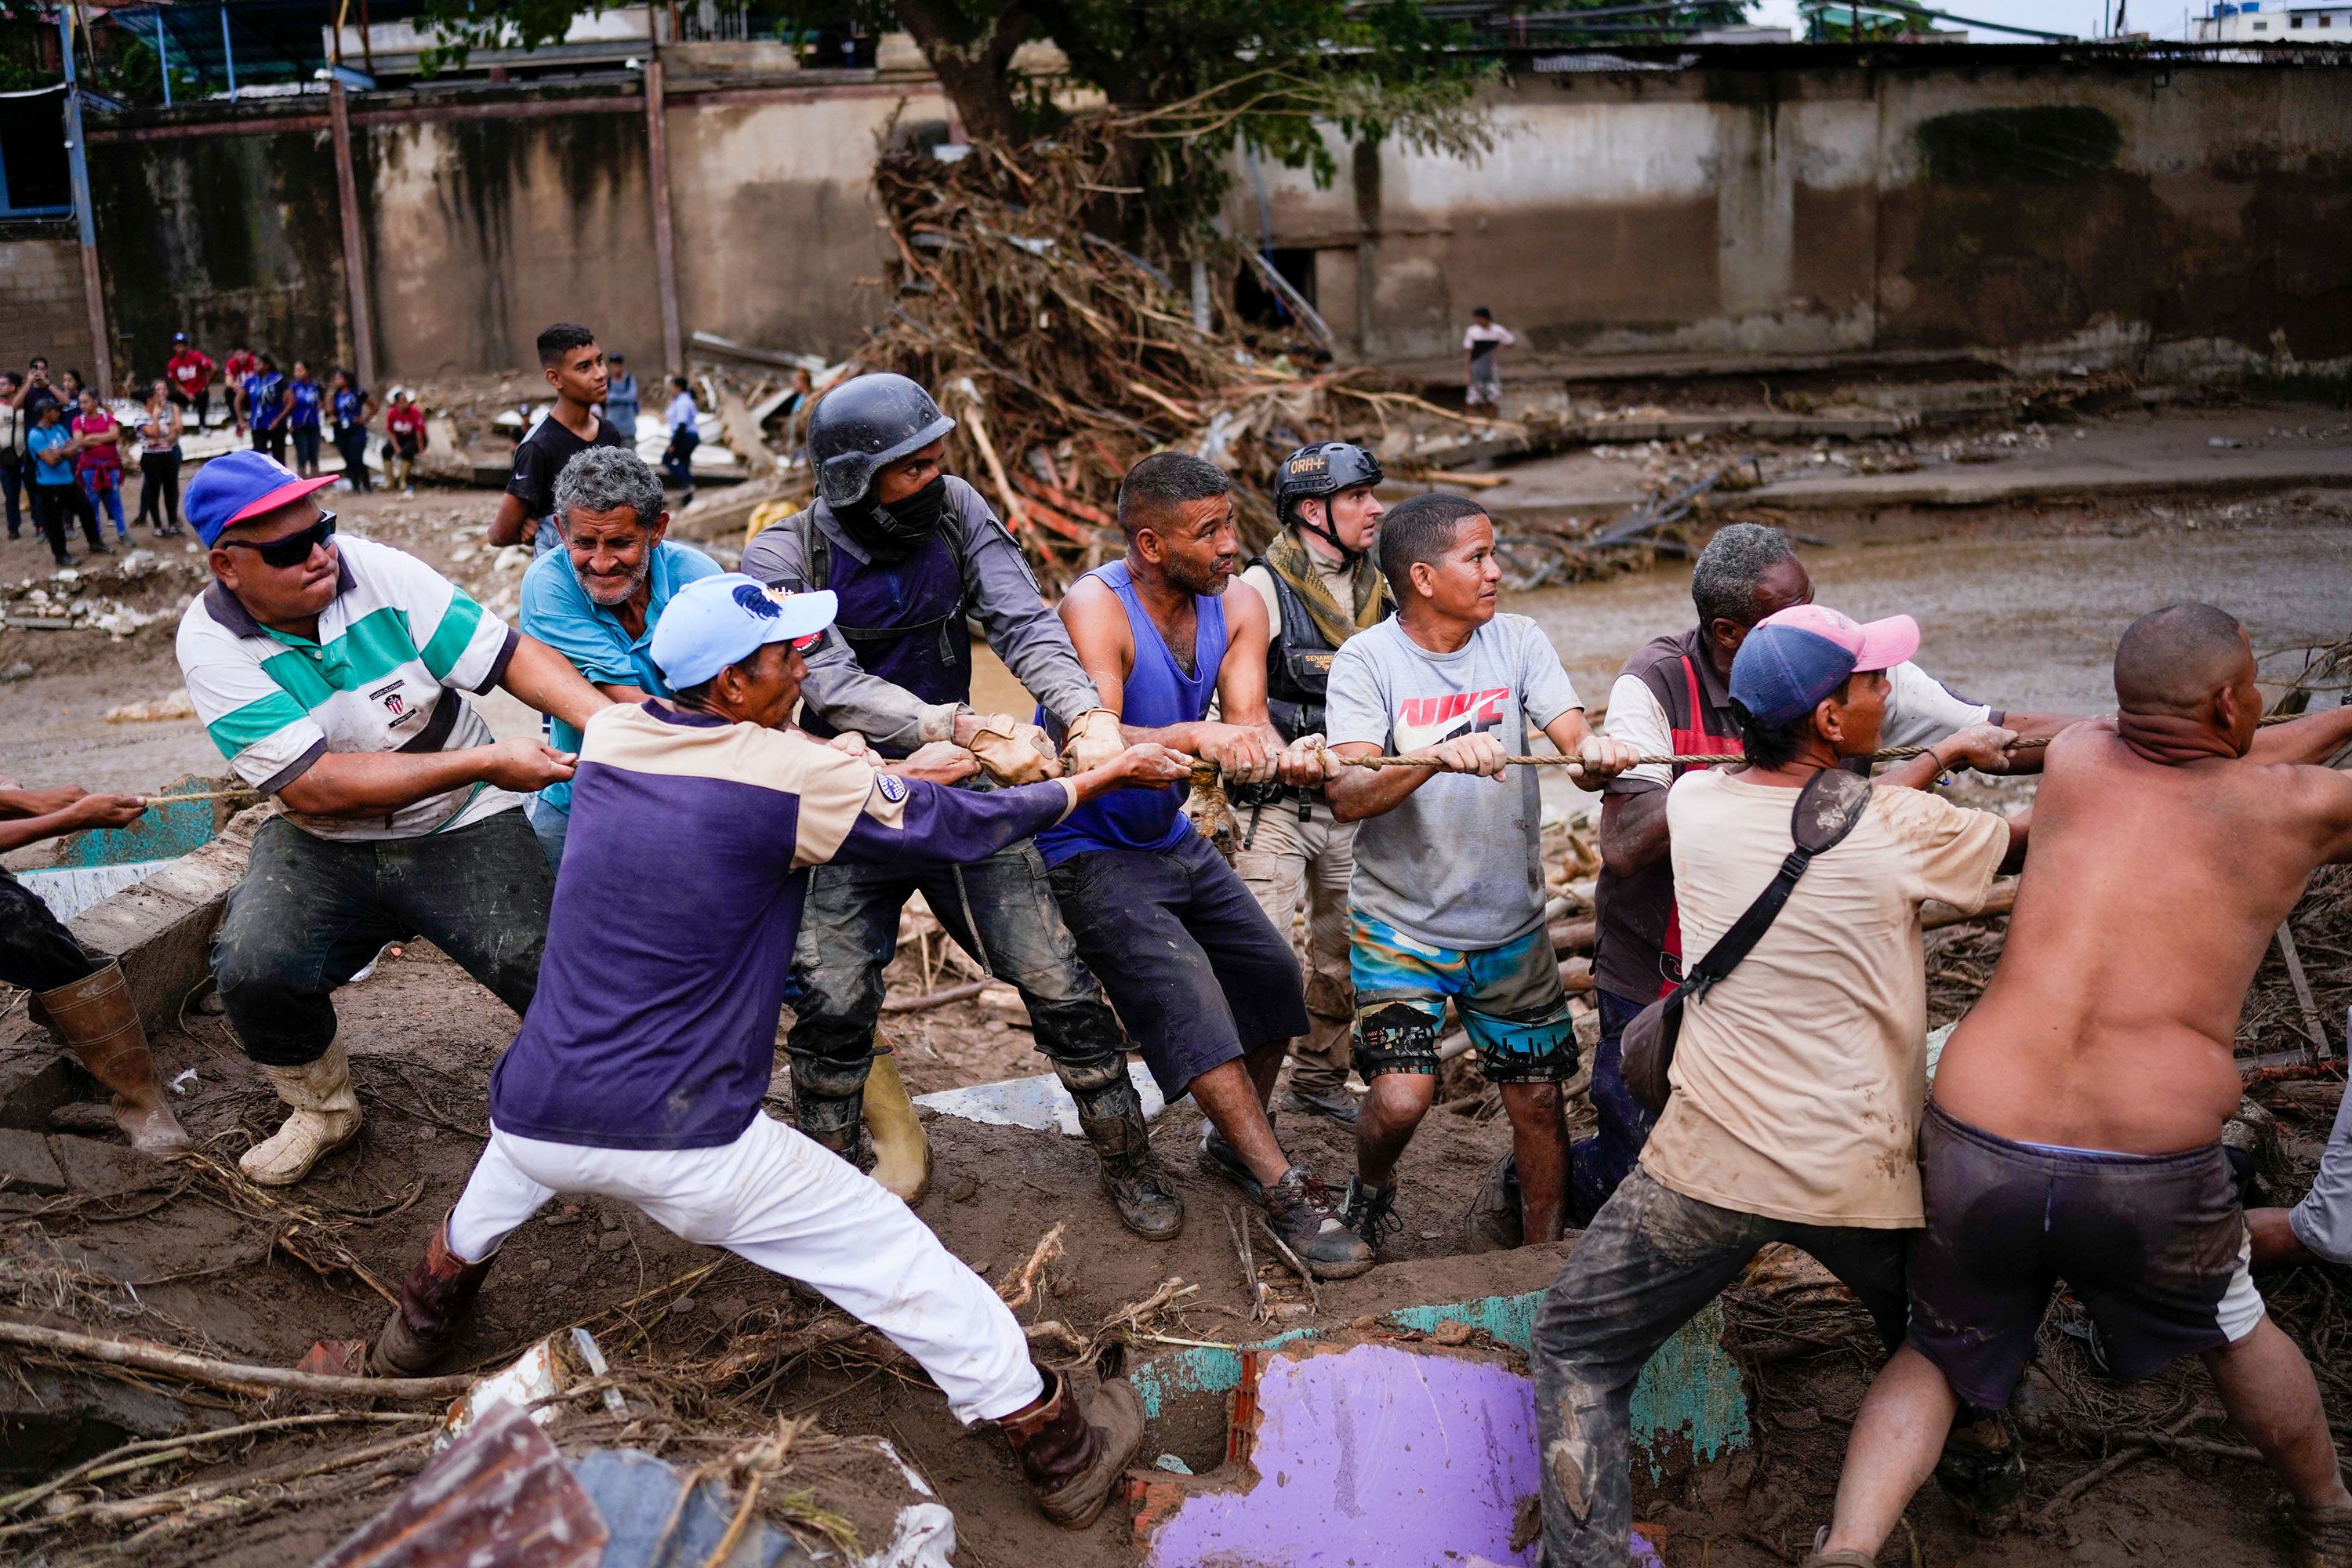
(163, 54)
(354, 254)
(85, 215)
(665, 245)
(228, 53)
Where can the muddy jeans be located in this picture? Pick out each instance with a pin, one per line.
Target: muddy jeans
(1651, 1261)
(36, 951)
(312, 914)
(1597, 1163)
(999, 910)
(1288, 863)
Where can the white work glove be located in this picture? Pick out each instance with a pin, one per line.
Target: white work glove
(1094, 740)
(1011, 752)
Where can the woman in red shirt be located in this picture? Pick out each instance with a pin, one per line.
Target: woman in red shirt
(404, 426)
(98, 458)
(242, 362)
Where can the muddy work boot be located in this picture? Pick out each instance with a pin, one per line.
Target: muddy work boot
(1819, 1557)
(1370, 1212)
(1496, 1222)
(1111, 1117)
(1218, 1159)
(2323, 1536)
(1300, 1213)
(326, 1116)
(836, 1121)
(436, 1299)
(1321, 1100)
(902, 1154)
(1982, 1469)
(95, 1019)
(1073, 1458)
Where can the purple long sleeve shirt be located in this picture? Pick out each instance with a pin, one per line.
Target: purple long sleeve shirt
(678, 908)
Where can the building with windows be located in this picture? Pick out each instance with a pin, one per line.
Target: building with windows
(2272, 22)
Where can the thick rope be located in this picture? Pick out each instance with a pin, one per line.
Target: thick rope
(1704, 760)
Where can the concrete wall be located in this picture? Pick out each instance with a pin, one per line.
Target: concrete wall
(2081, 209)
(1763, 201)
(41, 307)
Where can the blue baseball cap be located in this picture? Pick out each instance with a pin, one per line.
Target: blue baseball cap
(239, 487)
(1793, 658)
(714, 622)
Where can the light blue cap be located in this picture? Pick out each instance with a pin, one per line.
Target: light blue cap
(714, 622)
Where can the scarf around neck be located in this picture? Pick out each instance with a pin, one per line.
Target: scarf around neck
(1289, 560)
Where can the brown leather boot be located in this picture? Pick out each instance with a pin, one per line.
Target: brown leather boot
(1071, 1457)
(95, 1018)
(436, 1299)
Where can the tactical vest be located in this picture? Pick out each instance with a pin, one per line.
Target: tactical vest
(922, 643)
(1297, 664)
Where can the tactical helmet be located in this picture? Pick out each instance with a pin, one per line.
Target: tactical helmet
(862, 426)
(1325, 469)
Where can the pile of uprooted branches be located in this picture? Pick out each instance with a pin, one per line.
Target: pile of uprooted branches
(1065, 356)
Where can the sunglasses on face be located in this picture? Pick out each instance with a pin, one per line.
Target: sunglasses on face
(295, 548)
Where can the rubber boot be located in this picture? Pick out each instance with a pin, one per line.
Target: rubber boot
(326, 1117)
(436, 1299)
(1112, 1116)
(1073, 1458)
(1301, 1214)
(96, 1020)
(836, 1121)
(1982, 1469)
(902, 1154)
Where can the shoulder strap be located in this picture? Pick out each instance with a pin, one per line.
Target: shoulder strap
(816, 550)
(1827, 809)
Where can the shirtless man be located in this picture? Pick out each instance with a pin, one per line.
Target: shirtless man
(2078, 1109)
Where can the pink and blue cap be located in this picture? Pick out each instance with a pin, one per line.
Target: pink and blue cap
(238, 487)
(1795, 658)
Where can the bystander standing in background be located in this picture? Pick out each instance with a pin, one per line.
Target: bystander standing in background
(350, 404)
(56, 492)
(265, 407)
(11, 451)
(574, 366)
(242, 362)
(305, 400)
(159, 461)
(685, 435)
(621, 401)
(404, 429)
(98, 458)
(189, 374)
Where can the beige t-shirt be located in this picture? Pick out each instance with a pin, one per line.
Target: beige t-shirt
(1799, 1082)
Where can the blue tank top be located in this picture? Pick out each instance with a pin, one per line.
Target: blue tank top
(1157, 692)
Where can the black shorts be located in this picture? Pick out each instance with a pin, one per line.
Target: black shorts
(1192, 967)
(2154, 1245)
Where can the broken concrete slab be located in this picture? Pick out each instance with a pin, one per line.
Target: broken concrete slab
(35, 1084)
(2218, 471)
(50, 1419)
(105, 1170)
(1039, 1103)
(27, 1163)
(162, 928)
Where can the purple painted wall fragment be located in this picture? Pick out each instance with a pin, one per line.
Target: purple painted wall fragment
(1373, 1456)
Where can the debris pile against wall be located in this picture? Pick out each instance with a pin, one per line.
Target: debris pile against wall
(1065, 357)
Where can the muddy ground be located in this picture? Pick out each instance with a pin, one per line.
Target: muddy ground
(711, 1349)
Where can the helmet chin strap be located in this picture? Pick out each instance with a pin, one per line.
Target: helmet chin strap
(1323, 531)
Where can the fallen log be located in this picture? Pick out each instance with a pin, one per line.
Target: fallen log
(145, 1356)
(1936, 916)
(930, 999)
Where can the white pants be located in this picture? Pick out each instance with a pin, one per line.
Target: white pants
(2323, 1221)
(795, 1209)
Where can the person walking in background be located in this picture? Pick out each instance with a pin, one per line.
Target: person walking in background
(403, 428)
(265, 407)
(305, 400)
(685, 436)
(98, 458)
(189, 374)
(350, 404)
(242, 362)
(11, 451)
(622, 404)
(57, 490)
(159, 461)
(1482, 349)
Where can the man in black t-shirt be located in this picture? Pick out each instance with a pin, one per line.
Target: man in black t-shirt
(574, 366)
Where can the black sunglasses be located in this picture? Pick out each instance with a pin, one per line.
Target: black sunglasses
(295, 548)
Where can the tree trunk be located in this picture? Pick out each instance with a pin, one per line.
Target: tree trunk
(973, 64)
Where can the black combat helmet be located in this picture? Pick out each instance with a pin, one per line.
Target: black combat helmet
(862, 426)
(1324, 468)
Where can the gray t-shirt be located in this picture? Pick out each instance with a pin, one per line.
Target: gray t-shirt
(1458, 863)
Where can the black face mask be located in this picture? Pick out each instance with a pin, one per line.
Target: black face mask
(891, 534)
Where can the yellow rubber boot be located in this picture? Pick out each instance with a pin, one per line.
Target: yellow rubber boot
(902, 1154)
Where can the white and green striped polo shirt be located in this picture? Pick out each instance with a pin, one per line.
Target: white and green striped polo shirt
(395, 647)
